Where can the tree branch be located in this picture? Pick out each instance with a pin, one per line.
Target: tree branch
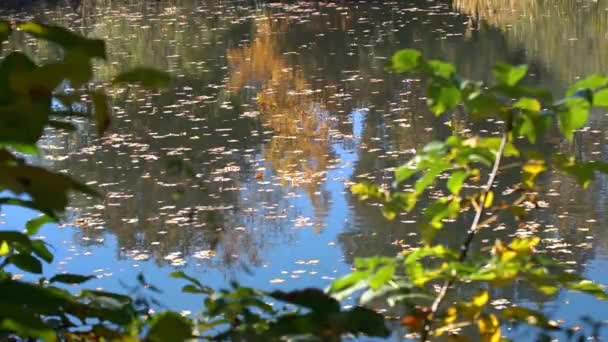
(466, 244)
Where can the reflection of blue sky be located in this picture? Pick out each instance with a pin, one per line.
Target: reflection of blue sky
(77, 107)
(283, 251)
(308, 245)
(65, 88)
(281, 260)
(572, 306)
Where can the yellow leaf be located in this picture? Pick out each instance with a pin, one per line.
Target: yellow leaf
(489, 328)
(507, 256)
(480, 298)
(451, 315)
(548, 289)
(4, 249)
(489, 199)
(534, 167)
(524, 245)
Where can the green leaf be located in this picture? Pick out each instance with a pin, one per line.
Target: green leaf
(493, 144)
(456, 181)
(434, 148)
(573, 114)
(169, 326)
(414, 267)
(24, 104)
(482, 105)
(439, 251)
(348, 281)
(191, 289)
(404, 172)
(589, 288)
(443, 97)
(510, 75)
(30, 149)
(592, 82)
(66, 39)
(600, 98)
(22, 203)
(67, 278)
(441, 209)
(39, 248)
(428, 178)
(16, 238)
(25, 323)
(529, 104)
(403, 201)
(26, 262)
(406, 60)
(533, 125)
(147, 77)
(103, 116)
(441, 69)
(78, 67)
(43, 80)
(48, 190)
(389, 212)
(33, 226)
(200, 287)
(525, 126)
(382, 276)
(95, 294)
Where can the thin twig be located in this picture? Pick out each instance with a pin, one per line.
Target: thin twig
(466, 244)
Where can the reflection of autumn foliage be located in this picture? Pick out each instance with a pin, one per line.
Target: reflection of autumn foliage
(255, 63)
(300, 150)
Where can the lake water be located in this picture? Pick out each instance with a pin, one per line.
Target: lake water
(240, 170)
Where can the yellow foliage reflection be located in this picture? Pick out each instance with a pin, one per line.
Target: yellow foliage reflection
(300, 150)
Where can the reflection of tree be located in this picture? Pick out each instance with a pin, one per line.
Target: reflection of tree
(308, 66)
(300, 150)
(151, 205)
(173, 35)
(399, 123)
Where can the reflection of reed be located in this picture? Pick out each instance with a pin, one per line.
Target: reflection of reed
(167, 34)
(566, 36)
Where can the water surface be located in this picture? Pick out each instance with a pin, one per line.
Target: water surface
(240, 171)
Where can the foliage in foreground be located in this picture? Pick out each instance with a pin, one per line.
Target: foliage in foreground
(34, 97)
